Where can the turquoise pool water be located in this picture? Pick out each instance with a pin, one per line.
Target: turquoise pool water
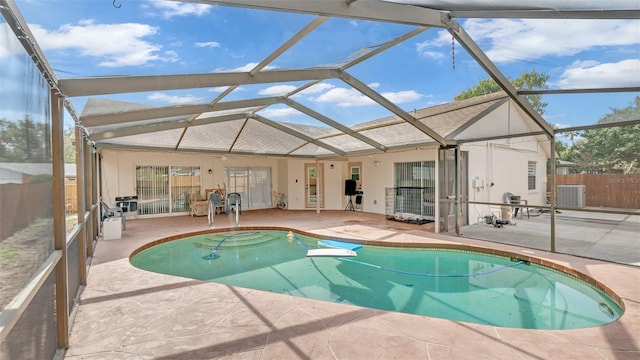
(451, 284)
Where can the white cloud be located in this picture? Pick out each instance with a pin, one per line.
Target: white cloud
(272, 113)
(590, 74)
(350, 97)
(211, 44)
(402, 97)
(433, 55)
(426, 48)
(277, 90)
(508, 40)
(170, 56)
(177, 100)
(114, 44)
(344, 97)
(174, 8)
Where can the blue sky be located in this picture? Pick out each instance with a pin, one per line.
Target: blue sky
(83, 38)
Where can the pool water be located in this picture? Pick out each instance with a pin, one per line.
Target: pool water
(451, 284)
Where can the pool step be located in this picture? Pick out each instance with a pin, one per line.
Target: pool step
(235, 239)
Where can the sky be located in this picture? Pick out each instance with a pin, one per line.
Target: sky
(86, 38)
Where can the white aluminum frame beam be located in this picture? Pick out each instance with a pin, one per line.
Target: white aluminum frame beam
(130, 84)
(119, 117)
(579, 91)
(532, 9)
(362, 9)
(169, 125)
(549, 14)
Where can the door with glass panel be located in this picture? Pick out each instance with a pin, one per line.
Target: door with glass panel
(314, 185)
(447, 184)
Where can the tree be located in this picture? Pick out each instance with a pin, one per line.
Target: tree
(614, 148)
(527, 80)
(25, 140)
(69, 146)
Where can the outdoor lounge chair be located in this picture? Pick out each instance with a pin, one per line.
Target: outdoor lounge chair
(198, 205)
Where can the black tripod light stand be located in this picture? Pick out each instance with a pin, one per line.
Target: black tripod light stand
(350, 204)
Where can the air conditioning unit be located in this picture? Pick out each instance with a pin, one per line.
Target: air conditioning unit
(572, 196)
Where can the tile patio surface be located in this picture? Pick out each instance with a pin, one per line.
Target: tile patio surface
(127, 313)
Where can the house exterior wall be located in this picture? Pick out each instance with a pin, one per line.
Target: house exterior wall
(503, 163)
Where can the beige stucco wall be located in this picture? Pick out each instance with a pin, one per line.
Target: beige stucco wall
(503, 163)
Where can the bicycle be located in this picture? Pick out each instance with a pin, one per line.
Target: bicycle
(281, 202)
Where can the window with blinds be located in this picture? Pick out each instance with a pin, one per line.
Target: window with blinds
(165, 189)
(252, 183)
(531, 175)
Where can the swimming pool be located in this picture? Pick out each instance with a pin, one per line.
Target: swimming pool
(448, 283)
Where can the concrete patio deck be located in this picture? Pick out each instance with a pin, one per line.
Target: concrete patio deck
(127, 313)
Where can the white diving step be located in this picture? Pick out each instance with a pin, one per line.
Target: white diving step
(331, 252)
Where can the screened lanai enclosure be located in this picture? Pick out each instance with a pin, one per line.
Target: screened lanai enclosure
(465, 114)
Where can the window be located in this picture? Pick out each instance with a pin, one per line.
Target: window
(531, 175)
(355, 173)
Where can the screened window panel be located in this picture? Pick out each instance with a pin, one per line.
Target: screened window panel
(73, 272)
(34, 336)
(26, 175)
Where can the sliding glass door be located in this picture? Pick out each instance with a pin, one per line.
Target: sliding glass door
(252, 183)
(165, 189)
(415, 188)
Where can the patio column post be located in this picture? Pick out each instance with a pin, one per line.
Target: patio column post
(458, 206)
(59, 217)
(552, 184)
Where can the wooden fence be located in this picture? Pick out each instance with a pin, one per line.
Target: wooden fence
(607, 190)
(22, 204)
(70, 196)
